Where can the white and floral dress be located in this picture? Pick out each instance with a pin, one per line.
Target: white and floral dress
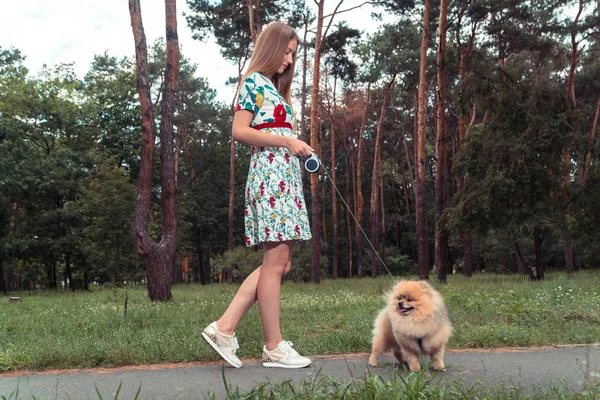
(275, 210)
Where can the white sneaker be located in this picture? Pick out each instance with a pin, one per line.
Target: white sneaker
(284, 356)
(225, 345)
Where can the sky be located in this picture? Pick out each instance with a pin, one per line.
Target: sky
(49, 32)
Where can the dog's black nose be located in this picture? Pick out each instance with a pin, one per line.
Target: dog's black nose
(401, 305)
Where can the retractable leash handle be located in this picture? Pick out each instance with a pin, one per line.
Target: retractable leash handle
(312, 163)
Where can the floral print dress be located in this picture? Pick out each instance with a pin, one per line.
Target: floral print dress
(275, 210)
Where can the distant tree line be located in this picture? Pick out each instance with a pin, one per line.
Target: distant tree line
(469, 145)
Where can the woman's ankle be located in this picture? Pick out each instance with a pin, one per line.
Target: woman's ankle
(224, 328)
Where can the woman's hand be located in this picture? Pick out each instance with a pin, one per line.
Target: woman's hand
(299, 148)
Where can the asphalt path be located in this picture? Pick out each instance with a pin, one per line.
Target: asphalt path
(525, 368)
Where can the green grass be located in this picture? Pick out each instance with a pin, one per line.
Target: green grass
(82, 330)
(411, 386)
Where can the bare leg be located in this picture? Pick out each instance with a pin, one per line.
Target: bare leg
(276, 262)
(246, 296)
(241, 303)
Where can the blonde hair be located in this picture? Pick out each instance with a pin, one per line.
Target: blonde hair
(269, 49)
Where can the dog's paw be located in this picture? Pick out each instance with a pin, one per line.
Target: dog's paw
(414, 367)
(438, 366)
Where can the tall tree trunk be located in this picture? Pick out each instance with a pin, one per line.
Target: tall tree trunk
(349, 176)
(158, 257)
(314, 143)
(440, 258)
(359, 203)
(421, 212)
(465, 51)
(566, 155)
(334, 205)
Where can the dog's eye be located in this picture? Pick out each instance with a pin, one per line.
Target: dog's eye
(409, 299)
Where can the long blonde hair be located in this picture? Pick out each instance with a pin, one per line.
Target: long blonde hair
(271, 45)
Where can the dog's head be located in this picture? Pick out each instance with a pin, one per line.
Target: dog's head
(412, 298)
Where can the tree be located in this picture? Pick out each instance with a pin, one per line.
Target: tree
(421, 214)
(441, 235)
(158, 257)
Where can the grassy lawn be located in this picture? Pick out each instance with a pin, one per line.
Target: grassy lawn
(81, 330)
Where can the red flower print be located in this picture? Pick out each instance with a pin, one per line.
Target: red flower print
(287, 157)
(288, 191)
(254, 202)
(254, 166)
(245, 210)
(298, 203)
(282, 186)
(262, 188)
(279, 114)
(267, 231)
(248, 191)
(239, 107)
(271, 155)
(279, 237)
(247, 240)
(272, 201)
(297, 229)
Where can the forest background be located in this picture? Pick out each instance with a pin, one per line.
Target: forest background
(461, 135)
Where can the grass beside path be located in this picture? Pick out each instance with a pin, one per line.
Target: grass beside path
(82, 330)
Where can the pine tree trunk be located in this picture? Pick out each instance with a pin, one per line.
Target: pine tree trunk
(314, 143)
(359, 203)
(440, 258)
(348, 224)
(421, 211)
(334, 205)
(158, 257)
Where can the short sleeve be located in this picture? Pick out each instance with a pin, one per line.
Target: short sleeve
(250, 95)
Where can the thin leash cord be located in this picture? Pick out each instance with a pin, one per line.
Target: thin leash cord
(357, 223)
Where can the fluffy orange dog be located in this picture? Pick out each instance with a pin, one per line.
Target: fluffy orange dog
(414, 322)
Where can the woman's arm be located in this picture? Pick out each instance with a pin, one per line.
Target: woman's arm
(242, 132)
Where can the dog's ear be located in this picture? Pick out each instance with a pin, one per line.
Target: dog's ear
(425, 286)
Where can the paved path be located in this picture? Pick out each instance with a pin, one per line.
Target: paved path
(521, 367)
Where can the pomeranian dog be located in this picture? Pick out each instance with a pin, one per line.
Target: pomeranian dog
(414, 322)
